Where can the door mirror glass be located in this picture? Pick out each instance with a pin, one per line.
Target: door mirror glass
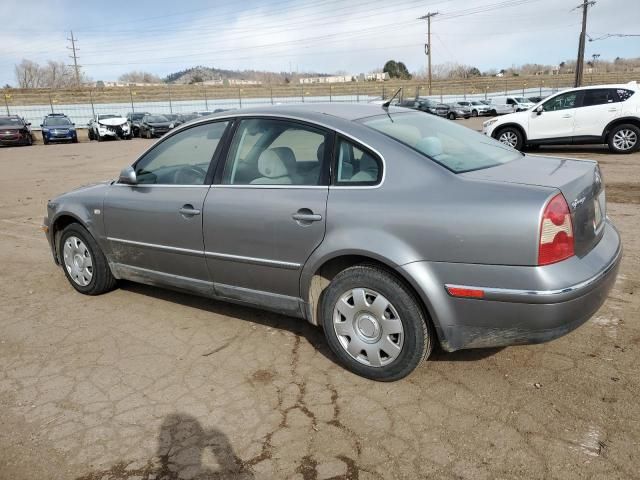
(128, 176)
(539, 109)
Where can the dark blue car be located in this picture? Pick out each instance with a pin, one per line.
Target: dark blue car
(57, 127)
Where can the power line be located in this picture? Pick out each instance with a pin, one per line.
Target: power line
(581, 42)
(75, 57)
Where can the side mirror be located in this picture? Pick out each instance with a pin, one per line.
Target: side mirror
(28, 124)
(42, 125)
(128, 176)
(73, 124)
(539, 109)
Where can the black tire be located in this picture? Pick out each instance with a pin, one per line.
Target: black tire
(519, 138)
(451, 116)
(631, 132)
(474, 113)
(44, 140)
(75, 139)
(98, 137)
(102, 279)
(419, 335)
(493, 113)
(90, 134)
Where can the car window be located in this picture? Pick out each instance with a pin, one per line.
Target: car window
(624, 94)
(561, 102)
(511, 101)
(455, 147)
(600, 96)
(275, 152)
(356, 166)
(183, 158)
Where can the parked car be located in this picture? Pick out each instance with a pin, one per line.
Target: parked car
(608, 114)
(457, 110)
(518, 104)
(57, 127)
(496, 109)
(426, 105)
(535, 100)
(14, 131)
(106, 125)
(477, 107)
(155, 126)
(184, 118)
(391, 229)
(134, 119)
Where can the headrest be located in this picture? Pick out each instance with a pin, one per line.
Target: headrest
(276, 162)
(431, 146)
(405, 133)
(369, 164)
(320, 152)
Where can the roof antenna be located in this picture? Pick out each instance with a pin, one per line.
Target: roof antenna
(386, 104)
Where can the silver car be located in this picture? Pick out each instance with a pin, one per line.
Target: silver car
(390, 229)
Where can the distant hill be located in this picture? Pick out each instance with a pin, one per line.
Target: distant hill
(204, 74)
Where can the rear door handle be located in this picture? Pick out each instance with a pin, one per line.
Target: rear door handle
(189, 211)
(305, 216)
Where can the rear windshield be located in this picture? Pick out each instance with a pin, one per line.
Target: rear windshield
(455, 147)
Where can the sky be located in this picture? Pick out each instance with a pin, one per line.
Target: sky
(328, 36)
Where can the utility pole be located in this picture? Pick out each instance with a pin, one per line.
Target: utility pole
(75, 57)
(583, 34)
(427, 46)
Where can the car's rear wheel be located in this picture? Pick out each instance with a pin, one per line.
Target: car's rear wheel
(451, 116)
(624, 138)
(374, 324)
(474, 113)
(511, 137)
(84, 264)
(493, 113)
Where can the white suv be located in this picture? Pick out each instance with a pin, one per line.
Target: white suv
(600, 114)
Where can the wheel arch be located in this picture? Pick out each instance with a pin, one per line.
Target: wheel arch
(59, 223)
(318, 278)
(618, 121)
(517, 126)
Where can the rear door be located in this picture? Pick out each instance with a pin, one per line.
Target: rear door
(154, 228)
(556, 120)
(267, 211)
(598, 107)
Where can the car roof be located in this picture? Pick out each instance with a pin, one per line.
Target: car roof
(316, 111)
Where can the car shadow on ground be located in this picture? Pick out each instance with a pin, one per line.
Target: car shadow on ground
(298, 326)
(570, 150)
(185, 450)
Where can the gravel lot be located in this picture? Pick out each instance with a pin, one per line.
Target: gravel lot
(144, 383)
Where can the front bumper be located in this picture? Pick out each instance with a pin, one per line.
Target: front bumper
(522, 305)
(14, 140)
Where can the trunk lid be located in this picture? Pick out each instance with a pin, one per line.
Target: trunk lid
(580, 181)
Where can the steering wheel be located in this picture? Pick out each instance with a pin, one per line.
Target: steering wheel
(189, 175)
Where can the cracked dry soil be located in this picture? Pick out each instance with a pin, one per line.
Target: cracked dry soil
(143, 383)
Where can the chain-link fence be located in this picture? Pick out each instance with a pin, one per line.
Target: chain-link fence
(82, 104)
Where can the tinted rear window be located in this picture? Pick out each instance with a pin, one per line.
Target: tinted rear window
(455, 147)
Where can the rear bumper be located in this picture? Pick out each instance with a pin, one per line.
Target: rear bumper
(522, 305)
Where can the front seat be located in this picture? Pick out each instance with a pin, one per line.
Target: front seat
(277, 167)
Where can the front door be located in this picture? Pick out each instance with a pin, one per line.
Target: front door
(154, 228)
(556, 120)
(267, 212)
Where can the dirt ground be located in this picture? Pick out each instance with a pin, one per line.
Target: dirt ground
(142, 383)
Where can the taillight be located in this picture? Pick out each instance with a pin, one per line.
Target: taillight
(556, 232)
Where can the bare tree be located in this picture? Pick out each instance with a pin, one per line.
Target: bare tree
(56, 75)
(28, 74)
(139, 77)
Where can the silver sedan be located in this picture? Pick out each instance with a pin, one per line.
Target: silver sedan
(390, 229)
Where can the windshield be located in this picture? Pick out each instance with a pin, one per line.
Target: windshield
(455, 147)
(6, 122)
(137, 116)
(156, 119)
(171, 116)
(103, 117)
(522, 100)
(465, 104)
(57, 122)
(477, 103)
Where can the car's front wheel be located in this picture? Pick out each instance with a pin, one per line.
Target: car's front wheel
(511, 137)
(84, 264)
(474, 113)
(374, 324)
(624, 138)
(451, 116)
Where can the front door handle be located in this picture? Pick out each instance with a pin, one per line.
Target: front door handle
(189, 211)
(567, 116)
(306, 216)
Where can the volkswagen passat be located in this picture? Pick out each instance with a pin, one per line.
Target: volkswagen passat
(390, 229)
